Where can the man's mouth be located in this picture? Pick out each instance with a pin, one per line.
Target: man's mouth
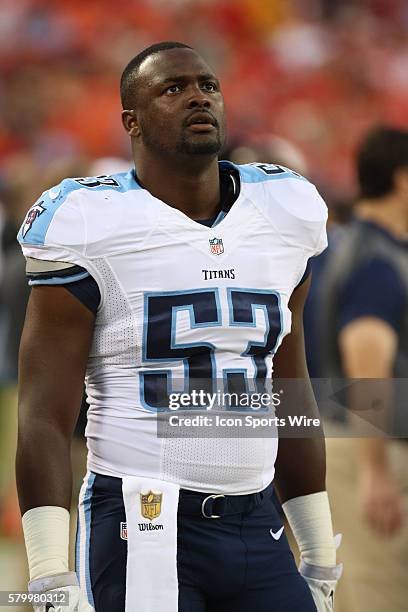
(201, 127)
(201, 122)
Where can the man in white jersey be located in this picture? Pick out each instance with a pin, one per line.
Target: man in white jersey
(183, 269)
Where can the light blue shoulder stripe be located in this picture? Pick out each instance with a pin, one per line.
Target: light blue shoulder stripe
(40, 216)
(58, 280)
(258, 173)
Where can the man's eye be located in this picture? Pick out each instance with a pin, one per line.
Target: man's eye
(210, 86)
(173, 89)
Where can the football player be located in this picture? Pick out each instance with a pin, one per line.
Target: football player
(183, 269)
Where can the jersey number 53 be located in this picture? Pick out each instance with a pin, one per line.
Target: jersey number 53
(162, 346)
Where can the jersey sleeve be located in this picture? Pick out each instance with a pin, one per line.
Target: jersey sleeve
(306, 274)
(291, 204)
(87, 292)
(374, 289)
(53, 237)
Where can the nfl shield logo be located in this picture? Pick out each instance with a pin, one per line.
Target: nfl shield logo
(123, 531)
(151, 504)
(216, 246)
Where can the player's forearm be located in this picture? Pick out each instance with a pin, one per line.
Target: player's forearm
(300, 468)
(301, 462)
(43, 465)
(44, 483)
(301, 487)
(300, 482)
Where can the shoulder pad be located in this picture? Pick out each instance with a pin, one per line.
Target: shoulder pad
(40, 216)
(121, 181)
(290, 202)
(287, 189)
(260, 172)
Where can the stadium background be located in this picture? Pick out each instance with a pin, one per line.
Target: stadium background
(303, 81)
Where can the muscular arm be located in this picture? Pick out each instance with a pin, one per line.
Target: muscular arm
(368, 347)
(301, 463)
(53, 353)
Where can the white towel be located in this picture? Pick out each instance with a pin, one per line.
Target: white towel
(151, 515)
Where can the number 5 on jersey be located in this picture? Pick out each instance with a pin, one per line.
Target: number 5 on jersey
(162, 346)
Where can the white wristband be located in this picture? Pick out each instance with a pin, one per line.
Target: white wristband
(46, 534)
(309, 517)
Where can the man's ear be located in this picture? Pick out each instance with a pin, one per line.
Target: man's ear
(130, 123)
(401, 182)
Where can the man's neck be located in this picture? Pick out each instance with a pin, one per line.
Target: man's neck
(191, 186)
(388, 212)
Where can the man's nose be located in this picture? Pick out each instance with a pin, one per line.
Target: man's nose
(198, 98)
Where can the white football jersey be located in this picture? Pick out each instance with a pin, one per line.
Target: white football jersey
(180, 301)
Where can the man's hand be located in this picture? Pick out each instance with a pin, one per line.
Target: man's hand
(322, 589)
(322, 581)
(381, 501)
(67, 583)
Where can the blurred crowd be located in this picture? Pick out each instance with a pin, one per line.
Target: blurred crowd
(304, 80)
(317, 72)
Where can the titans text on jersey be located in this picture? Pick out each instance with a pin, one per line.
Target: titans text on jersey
(179, 301)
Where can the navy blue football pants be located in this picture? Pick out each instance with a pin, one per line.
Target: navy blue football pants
(230, 564)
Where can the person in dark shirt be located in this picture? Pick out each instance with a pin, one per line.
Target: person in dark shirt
(365, 336)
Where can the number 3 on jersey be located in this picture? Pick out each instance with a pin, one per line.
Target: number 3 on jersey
(162, 345)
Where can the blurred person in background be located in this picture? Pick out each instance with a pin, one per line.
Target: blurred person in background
(364, 324)
(337, 225)
(270, 147)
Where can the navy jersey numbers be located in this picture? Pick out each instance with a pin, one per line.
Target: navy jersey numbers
(243, 305)
(161, 344)
(97, 181)
(273, 169)
(254, 317)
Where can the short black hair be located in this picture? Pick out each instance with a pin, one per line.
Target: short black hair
(383, 151)
(127, 80)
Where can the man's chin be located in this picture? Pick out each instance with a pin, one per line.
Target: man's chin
(202, 146)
